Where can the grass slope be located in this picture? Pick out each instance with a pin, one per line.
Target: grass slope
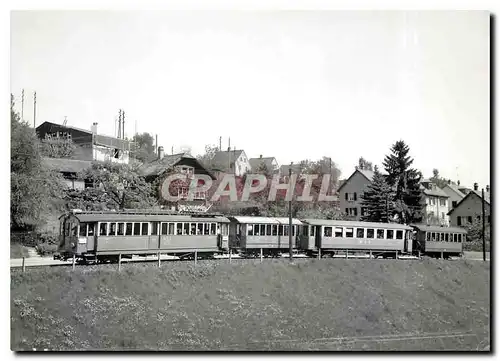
(309, 305)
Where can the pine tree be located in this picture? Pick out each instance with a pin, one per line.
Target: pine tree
(378, 200)
(405, 181)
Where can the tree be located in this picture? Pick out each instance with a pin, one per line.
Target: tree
(437, 180)
(475, 236)
(117, 186)
(143, 147)
(57, 147)
(405, 181)
(209, 155)
(364, 164)
(34, 190)
(378, 200)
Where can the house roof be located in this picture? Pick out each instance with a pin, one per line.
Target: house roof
(354, 224)
(435, 192)
(64, 165)
(426, 228)
(296, 168)
(222, 159)
(368, 174)
(454, 188)
(256, 162)
(159, 166)
(477, 193)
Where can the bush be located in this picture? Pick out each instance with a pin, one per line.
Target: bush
(45, 249)
(18, 251)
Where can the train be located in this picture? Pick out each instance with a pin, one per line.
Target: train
(107, 236)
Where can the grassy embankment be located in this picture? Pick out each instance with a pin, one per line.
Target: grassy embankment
(310, 305)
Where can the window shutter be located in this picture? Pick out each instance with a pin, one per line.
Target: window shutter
(355, 209)
(355, 196)
(346, 196)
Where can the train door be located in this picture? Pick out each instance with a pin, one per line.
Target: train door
(318, 232)
(409, 241)
(224, 234)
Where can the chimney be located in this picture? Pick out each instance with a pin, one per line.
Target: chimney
(228, 149)
(458, 183)
(488, 189)
(476, 186)
(161, 152)
(260, 156)
(449, 181)
(93, 128)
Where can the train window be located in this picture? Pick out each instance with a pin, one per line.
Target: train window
(293, 230)
(349, 232)
(154, 228)
(327, 232)
(285, 230)
(121, 229)
(250, 230)
(213, 229)
(433, 236)
(313, 231)
(427, 236)
(390, 234)
(225, 229)
(455, 237)
(399, 234)
(128, 229)
(193, 229)
(74, 230)
(442, 237)
(268, 230)
(256, 229)
(171, 229)
(370, 233)
(83, 230)
(145, 229)
(200, 229)
(66, 229)
(185, 229)
(206, 230)
(360, 233)
(339, 231)
(137, 229)
(280, 230)
(112, 229)
(262, 229)
(274, 229)
(380, 233)
(103, 229)
(90, 230)
(178, 228)
(305, 230)
(164, 229)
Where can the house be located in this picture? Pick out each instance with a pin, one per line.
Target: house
(350, 192)
(90, 145)
(270, 164)
(70, 170)
(454, 194)
(230, 161)
(435, 204)
(164, 165)
(470, 208)
(284, 170)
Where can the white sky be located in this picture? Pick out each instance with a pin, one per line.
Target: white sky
(293, 85)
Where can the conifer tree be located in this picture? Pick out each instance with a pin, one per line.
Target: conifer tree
(405, 181)
(378, 200)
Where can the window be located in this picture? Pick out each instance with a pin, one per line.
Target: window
(461, 237)
(275, 230)
(179, 229)
(90, 229)
(433, 237)
(453, 204)
(442, 215)
(171, 229)
(256, 230)
(328, 232)
(339, 231)
(305, 231)
(370, 232)
(286, 229)
(145, 229)
(469, 219)
(455, 237)
(137, 229)
(200, 229)
(103, 229)
(489, 219)
(280, 230)
(154, 229)
(116, 153)
(478, 218)
(206, 230)
(380, 233)
(312, 232)
(399, 234)
(83, 230)
(459, 220)
(268, 230)
(353, 212)
(364, 211)
(225, 229)
(446, 237)
(193, 229)
(360, 232)
(351, 197)
(112, 229)
(262, 229)
(250, 230)
(74, 230)
(347, 196)
(442, 237)
(427, 236)
(355, 196)
(390, 234)
(164, 228)
(349, 232)
(442, 202)
(121, 229)
(128, 229)
(185, 229)
(213, 229)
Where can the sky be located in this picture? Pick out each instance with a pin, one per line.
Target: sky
(292, 84)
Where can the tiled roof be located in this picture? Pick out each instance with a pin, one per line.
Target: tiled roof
(367, 173)
(477, 193)
(64, 165)
(284, 169)
(256, 162)
(435, 192)
(486, 195)
(158, 166)
(222, 159)
(454, 187)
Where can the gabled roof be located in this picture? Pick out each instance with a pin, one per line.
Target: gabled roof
(368, 174)
(64, 165)
(256, 162)
(471, 194)
(159, 166)
(454, 188)
(222, 159)
(285, 168)
(435, 192)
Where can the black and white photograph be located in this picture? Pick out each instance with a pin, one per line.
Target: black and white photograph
(250, 180)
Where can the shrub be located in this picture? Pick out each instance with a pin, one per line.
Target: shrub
(45, 249)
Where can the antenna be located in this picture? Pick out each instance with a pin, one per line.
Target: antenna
(22, 105)
(220, 144)
(123, 124)
(119, 123)
(65, 120)
(34, 111)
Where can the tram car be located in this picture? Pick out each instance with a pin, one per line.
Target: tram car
(329, 237)
(268, 236)
(439, 241)
(106, 235)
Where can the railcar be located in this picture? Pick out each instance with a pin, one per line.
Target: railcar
(105, 235)
(268, 236)
(439, 241)
(328, 237)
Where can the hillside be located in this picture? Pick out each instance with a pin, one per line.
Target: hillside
(309, 305)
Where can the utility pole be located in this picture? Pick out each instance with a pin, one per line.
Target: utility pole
(22, 105)
(220, 144)
(484, 241)
(34, 111)
(290, 229)
(156, 144)
(119, 123)
(123, 124)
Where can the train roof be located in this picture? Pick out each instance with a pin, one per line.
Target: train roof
(425, 228)
(160, 216)
(339, 223)
(266, 220)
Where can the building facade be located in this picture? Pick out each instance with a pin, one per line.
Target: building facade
(350, 193)
(454, 194)
(270, 163)
(435, 204)
(231, 162)
(470, 209)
